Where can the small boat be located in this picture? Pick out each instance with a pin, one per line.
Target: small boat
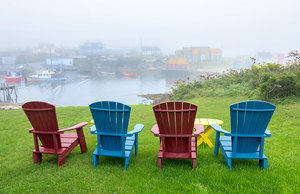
(108, 73)
(13, 77)
(83, 76)
(46, 76)
(130, 75)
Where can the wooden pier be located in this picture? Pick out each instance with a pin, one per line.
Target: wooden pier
(8, 94)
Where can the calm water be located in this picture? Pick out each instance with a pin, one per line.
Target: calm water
(81, 91)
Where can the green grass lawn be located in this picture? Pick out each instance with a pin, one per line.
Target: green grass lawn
(19, 174)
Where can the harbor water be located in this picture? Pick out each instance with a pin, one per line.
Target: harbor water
(82, 90)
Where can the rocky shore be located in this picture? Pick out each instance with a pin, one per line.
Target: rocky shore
(156, 98)
(10, 106)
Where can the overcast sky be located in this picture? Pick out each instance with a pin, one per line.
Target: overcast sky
(236, 26)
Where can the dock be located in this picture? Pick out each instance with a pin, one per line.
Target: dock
(8, 94)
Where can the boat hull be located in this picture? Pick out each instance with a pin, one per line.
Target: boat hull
(129, 75)
(13, 79)
(29, 79)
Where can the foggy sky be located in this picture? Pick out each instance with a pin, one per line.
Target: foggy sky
(236, 26)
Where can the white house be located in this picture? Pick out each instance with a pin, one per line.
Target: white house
(150, 51)
(60, 61)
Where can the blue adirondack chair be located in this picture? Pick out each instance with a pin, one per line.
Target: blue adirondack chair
(111, 124)
(249, 121)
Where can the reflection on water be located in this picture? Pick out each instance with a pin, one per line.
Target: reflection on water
(81, 90)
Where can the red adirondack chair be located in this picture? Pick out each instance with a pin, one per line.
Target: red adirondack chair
(42, 117)
(175, 124)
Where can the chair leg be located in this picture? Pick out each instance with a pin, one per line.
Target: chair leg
(37, 158)
(136, 144)
(95, 160)
(159, 162)
(217, 143)
(263, 164)
(126, 163)
(81, 140)
(61, 161)
(229, 163)
(194, 163)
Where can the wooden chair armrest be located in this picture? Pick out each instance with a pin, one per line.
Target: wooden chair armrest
(198, 130)
(174, 135)
(45, 132)
(93, 129)
(137, 128)
(155, 130)
(267, 133)
(78, 126)
(218, 128)
(95, 132)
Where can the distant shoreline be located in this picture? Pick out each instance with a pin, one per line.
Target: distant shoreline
(156, 98)
(10, 106)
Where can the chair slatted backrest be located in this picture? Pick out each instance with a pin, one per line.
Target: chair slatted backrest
(42, 117)
(250, 117)
(175, 118)
(111, 117)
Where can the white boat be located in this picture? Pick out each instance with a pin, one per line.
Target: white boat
(108, 73)
(46, 76)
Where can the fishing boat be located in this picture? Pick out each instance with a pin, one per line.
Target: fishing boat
(46, 76)
(130, 75)
(13, 77)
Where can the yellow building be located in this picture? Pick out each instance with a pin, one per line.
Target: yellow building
(200, 54)
(44, 50)
(177, 63)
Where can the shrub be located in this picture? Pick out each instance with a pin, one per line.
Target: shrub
(265, 81)
(280, 86)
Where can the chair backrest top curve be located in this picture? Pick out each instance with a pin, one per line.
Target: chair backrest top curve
(250, 117)
(41, 115)
(110, 116)
(175, 117)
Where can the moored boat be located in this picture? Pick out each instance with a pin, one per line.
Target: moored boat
(130, 75)
(46, 76)
(13, 77)
(105, 73)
